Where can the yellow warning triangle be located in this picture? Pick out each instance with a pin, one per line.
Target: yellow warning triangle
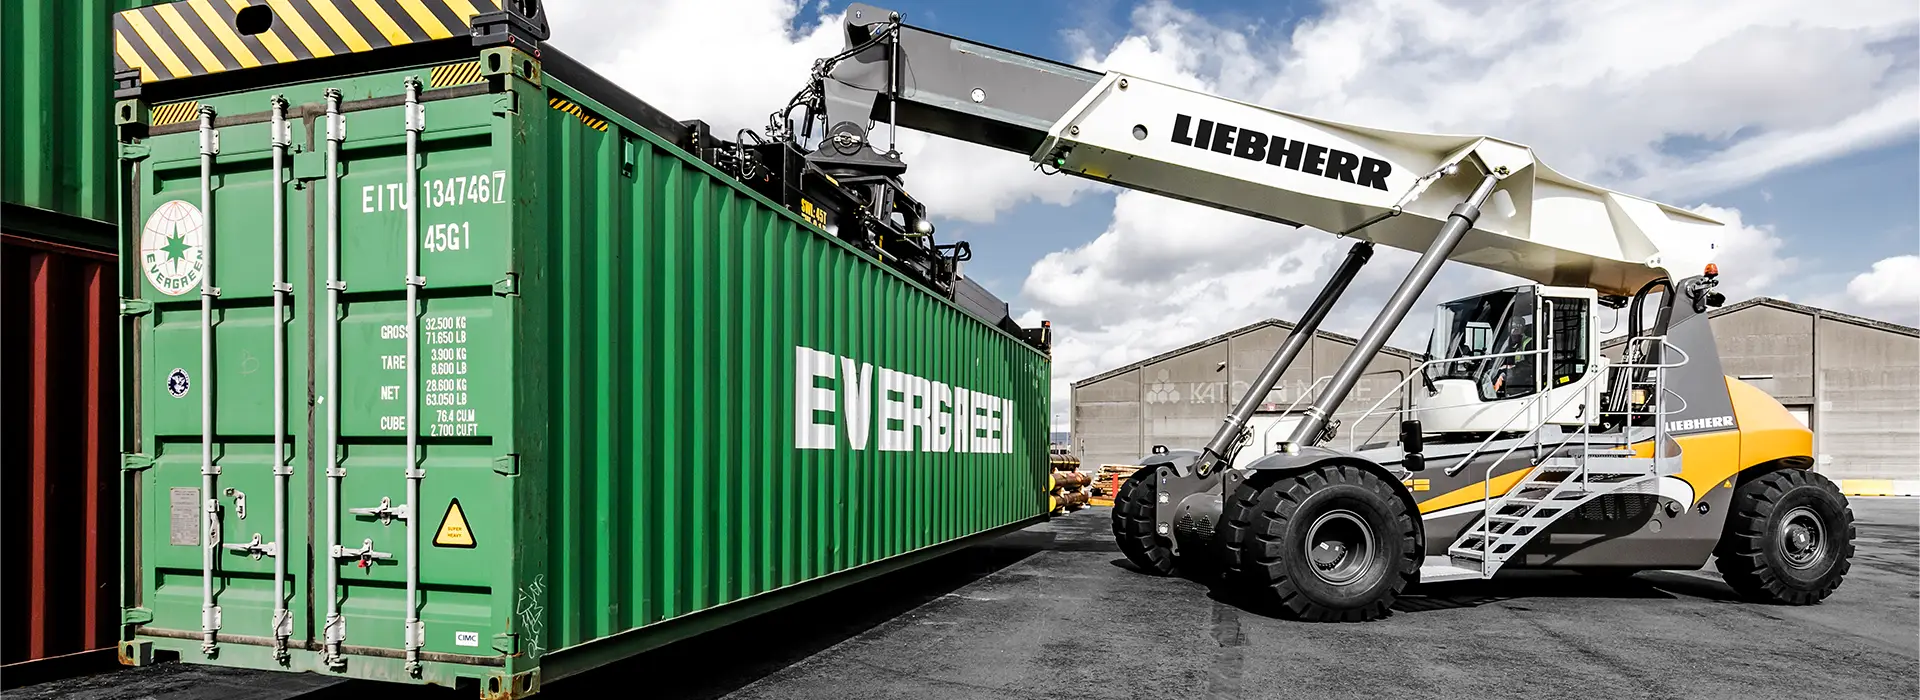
(453, 529)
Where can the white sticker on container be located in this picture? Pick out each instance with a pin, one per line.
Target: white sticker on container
(467, 639)
(178, 383)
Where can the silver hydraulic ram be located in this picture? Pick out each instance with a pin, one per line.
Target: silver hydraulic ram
(336, 630)
(416, 122)
(282, 468)
(1217, 449)
(1311, 429)
(209, 471)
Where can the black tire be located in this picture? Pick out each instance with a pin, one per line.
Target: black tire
(1788, 538)
(1133, 524)
(1336, 503)
(1232, 533)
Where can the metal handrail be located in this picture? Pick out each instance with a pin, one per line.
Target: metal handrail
(1398, 388)
(1541, 371)
(1418, 372)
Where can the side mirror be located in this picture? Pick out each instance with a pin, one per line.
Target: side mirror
(1413, 442)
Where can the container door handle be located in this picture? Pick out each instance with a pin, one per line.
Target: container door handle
(256, 548)
(386, 511)
(364, 556)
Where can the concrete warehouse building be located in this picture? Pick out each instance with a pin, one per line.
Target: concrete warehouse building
(1178, 398)
(1854, 381)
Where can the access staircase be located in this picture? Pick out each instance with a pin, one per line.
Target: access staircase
(1581, 468)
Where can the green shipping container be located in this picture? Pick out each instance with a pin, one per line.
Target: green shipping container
(56, 121)
(583, 396)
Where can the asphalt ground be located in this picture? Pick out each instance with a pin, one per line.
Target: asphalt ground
(1055, 611)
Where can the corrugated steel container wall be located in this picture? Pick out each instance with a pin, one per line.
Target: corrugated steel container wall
(650, 391)
(56, 105)
(60, 449)
(680, 303)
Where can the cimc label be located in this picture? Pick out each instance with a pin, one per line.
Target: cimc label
(916, 414)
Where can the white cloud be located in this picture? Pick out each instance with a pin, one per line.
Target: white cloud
(733, 62)
(1752, 261)
(729, 62)
(1891, 288)
(1670, 100)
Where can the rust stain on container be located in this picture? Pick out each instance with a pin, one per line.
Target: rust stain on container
(60, 339)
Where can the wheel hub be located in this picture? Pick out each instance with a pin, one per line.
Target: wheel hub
(1340, 547)
(1802, 538)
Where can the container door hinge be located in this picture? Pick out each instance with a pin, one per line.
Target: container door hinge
(135, 307)
(135, 151)
(135, 461)
(508, 287)
(508, 643)
(135, 616)
(508, 465)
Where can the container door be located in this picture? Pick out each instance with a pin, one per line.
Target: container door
(215, 248)
(322, 370)
(416, 380)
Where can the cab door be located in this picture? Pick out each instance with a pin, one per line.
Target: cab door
(1573, 368)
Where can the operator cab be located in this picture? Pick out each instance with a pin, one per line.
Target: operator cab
(1510, 359)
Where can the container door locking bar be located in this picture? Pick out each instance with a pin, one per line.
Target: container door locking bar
(336, 626)
(209, 470)
(282, 469)
(415, 634)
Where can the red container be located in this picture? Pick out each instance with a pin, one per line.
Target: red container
(59, 463)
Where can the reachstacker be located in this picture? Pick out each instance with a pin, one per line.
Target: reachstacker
(1523, 446)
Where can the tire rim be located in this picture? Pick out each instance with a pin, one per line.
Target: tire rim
(1803, 539)
(1340, 547)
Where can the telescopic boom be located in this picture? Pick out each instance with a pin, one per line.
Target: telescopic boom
(1475, 199)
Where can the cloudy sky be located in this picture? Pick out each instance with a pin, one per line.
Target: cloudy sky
(1797, 123)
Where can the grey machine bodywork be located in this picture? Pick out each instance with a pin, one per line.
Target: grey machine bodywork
(1617, 530)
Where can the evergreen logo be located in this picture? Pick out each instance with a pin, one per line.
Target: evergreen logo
(838, 396)
(172, 247)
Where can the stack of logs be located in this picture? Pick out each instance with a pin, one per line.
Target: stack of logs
(1107, 482)
(1067, 489)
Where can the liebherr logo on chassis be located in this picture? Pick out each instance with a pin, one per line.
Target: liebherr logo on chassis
(836, 396)
(1292, 154)
(1700, 423)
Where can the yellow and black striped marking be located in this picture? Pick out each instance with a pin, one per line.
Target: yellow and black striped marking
(176, 113)
(593, 122)
(454, 74)
(202, 37)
